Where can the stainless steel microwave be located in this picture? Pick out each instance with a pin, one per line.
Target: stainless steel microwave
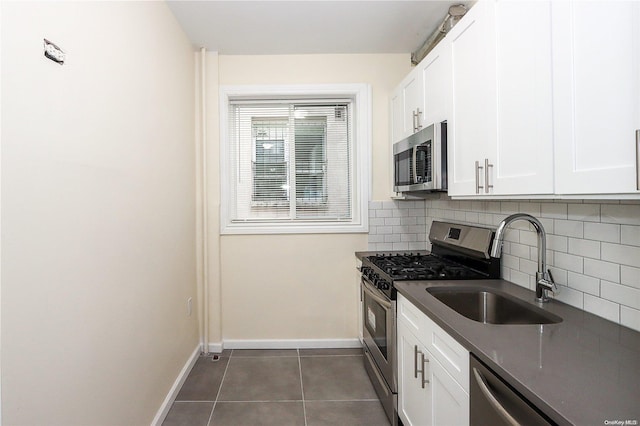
(420, 161)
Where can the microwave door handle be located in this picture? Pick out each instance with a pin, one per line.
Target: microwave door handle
(415, 163)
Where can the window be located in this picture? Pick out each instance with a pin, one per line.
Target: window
(294, 162)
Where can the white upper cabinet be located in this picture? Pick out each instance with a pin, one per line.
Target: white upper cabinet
(435, 72)
(407, 114)
(472, 128)
(596, 96)
(523, 156)
(501, 140)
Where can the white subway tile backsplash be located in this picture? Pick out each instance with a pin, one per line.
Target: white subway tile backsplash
(554, 210)
(569, 262)
(519, 250)
(627, 296)
(630, 317)
(570, 296)
(392, 221)
(604, 270)
(624, 214)
(584, 212)
(602, 308)
(630, 235)
(607, 232)
(400, 246)
(625, 255)
(397, 225)
(560, 276)
(569, 228)
(630, 276)
(529, 238)
(376, 221)
(584, 248)
(557, 243)
(520, 278)
(584, 283)
(528, 266)
(593, 247)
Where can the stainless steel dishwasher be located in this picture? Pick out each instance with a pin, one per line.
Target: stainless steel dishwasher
(493, 402)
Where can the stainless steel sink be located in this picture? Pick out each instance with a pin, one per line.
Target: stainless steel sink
(490, 307)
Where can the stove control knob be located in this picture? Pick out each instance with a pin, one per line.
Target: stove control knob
(384, 285)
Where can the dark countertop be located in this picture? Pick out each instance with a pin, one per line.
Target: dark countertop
(582, 371)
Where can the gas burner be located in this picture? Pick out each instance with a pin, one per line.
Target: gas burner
(421, 267)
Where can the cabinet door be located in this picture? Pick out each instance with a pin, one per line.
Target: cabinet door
(414, 407)
(522, 156)
(397, 116)
(449, 401)
(473, 117)
(405, 100)
(436, 84)
(596, 96)
(412, 92)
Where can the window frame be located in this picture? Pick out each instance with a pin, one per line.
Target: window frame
(360, 95)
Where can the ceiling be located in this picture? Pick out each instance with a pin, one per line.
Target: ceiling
(271, 27)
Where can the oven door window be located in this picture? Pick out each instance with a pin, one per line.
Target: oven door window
(375, 320)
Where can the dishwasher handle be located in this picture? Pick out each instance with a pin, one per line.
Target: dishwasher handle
(484, 388)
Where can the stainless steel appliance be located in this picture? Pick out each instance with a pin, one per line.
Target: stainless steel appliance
(459, 252)
(420, 161)
(494, 402)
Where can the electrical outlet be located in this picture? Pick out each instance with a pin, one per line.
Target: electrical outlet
(189, 306)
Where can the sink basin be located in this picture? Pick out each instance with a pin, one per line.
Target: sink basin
(490, 307)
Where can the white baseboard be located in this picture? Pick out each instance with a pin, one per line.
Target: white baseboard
(288, 344)
(173, 392)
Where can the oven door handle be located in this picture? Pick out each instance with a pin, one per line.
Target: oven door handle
(371, 291)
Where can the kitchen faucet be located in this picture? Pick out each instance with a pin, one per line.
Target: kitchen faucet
(544, 279)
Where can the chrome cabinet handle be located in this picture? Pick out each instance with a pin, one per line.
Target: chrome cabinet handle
(638, 159)
(415, 361)
(418, 125)
(413, 120)
(478, 186)
(424, 381)
(484, 388)
(486, 176)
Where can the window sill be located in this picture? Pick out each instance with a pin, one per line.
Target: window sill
(248, 228)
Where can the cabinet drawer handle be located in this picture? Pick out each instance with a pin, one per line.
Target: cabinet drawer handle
(478, 186)
(415, 361)
(418, 125)
(486, 175)
(424, 360)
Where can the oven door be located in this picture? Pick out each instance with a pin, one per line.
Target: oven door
(379, 324)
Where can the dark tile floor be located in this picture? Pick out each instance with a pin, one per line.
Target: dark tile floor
(306, 387)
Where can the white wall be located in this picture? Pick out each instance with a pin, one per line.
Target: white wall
(98, 211)
(301, 286)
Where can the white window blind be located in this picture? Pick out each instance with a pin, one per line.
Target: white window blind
(291, 161)
(295, 158)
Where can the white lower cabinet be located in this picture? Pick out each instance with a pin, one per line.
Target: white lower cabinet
(427, 393)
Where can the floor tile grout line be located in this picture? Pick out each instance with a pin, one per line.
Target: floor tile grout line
(220, 388)
(304, 408)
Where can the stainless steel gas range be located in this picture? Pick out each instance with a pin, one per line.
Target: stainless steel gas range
(459, 252)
